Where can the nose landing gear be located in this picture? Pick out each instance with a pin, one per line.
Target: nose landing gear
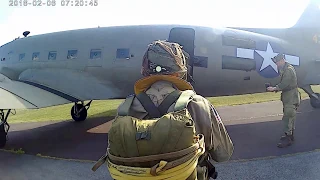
(79, 112)
(4, 127)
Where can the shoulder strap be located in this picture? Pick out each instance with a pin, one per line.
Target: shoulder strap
(148, 105)
(168, 101)
(184, 99)
(125, 107)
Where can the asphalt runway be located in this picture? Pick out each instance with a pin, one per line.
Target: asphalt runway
(304, 166)
(254, 129)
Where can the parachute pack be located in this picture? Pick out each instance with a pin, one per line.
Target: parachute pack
(164, 145)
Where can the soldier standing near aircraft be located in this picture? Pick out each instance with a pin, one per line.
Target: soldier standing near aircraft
(164, 68)
(290, 98)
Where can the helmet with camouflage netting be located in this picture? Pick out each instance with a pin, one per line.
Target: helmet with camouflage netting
(165, 58)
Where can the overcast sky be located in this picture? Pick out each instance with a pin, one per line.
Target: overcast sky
(242, 13)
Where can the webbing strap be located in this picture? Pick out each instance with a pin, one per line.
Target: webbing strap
(124, 109)
(172, 164)
(101, 161)
(185, 153)
(183, 171)
(168, 101)
(181, 160)
(175, 170)
(157, 156)
(183, 100)
(148, 105)
(156, 112)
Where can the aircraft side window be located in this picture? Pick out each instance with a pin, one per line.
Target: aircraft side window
(200, 61)
(95, 54)
(35, 56)
(234, 63)
(21, 56)
(238, 42)
(123, 53)
(72, 54)
(52, 55)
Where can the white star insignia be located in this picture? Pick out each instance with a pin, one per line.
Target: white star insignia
(267, 55)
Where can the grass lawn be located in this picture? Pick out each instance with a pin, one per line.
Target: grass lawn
(108, 107)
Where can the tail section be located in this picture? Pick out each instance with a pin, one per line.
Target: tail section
(310, 17)
(307, 28)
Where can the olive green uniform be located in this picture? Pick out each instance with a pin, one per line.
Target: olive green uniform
(290, 97)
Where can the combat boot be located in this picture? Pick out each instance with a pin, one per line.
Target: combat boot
(284, 136)
(286, 141)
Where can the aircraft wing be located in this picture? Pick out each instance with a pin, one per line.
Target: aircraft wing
(39, 88)
(20, 95)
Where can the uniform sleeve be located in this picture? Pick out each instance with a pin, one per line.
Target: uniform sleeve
(208, 123)
(222, 146)
(286, 80)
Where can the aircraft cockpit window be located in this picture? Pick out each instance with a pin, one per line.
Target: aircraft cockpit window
(95, 54)
(72, 54)
(21, 56)
(234, 63)
(52, 55)
(35, 56)
(123, 53)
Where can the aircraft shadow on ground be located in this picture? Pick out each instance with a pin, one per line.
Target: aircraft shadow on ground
(66, 139)
(69, 139)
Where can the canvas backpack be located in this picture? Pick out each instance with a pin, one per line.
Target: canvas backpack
(165, 140)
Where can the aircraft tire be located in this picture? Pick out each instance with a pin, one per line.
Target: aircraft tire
(315, 103)
(3, 136)
(82, 115)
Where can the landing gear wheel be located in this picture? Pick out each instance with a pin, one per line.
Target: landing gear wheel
(80, 113)
(4, 127)
(315, 103)
(3, 135)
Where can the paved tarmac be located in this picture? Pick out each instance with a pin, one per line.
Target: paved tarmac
(255, 130)
(304, 166)
(29, 167)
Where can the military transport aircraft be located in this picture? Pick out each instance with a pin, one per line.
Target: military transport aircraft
(104, 63)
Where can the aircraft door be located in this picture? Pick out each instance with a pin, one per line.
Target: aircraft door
(185, 37)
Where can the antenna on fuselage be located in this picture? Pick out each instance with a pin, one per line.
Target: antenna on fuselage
(26, 33)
